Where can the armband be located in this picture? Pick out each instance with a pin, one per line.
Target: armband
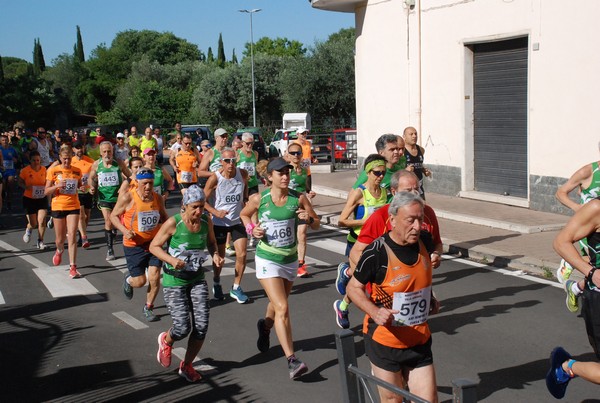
(249, 227)
(589, 277)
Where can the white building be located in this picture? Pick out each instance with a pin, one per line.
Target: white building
(502, 92)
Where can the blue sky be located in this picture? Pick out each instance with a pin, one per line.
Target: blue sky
(198, 21)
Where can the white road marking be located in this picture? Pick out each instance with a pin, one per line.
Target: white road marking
(23, 255)
(199, 365)
(332, 245)
(56, 279)
(316, 262)
(2, 302)
(130, 320)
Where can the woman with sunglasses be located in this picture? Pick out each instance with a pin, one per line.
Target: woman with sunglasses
(362, 203)
(280, 210)
(300, 181)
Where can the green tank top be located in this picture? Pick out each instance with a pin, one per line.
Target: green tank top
(94, 153)
(279, 244)
(298, 180)
(109, 182)
(189, 247)
(369, 205)
(159, 181)
(215, 163)
(249, 164)
(592, 191)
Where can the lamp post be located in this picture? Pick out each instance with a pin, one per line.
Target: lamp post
(254, 10)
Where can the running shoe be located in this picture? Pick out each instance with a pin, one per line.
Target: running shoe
(57, 258)
(27, 236)
(41, 245)
(218, 292)
(263, 343)
(341, 316)
(571, 301)
(564, 271)
(229, 251)
(149, 313)
(302, 272)
(342, 278)
(557, 379)
(164, 351)
(73, 273)
(110, 255)
(188, 372)
(85, 243)
(297, 368)
(50, 223)
(239, 295)
(127, 288)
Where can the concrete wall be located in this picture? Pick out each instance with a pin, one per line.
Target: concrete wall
(414, 68)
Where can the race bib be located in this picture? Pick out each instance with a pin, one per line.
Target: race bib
(186, 176)
(148, 220)
(280, 233)
(70, 187)
(305, 163)
(108, 179)
(413, 307)
(249, 167)
(8, 164)
(37, 192)
(193, 259)
(84, 179)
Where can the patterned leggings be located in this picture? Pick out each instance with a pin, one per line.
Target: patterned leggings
(188, 306)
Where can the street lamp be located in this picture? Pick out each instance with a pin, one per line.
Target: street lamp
(254, 10)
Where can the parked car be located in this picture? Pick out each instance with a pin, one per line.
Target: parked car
(344, 146)
(280, 142)
(259, 143)
(198, 132)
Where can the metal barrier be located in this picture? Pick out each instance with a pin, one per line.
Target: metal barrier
(357, 385)
(343, 153)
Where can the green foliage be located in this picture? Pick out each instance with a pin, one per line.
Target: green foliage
(2, 69)
(39, 64)
(79, 55)
(14, 67)
(234, 59)
(66, 77)
(210, 58)
(221, 53)
(276, 47)
(28, 98)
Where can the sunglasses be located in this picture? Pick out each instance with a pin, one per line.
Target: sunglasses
(295, 153)
(248, 144)
(187, 143)
(228, 160)
(378, 173)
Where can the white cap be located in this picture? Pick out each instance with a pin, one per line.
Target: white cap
(302, 130)
(120, 135)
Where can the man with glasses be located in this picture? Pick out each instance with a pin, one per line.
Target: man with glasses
(302, 134)
(391, 147)
(211, 162)
(185, 164)
(227, 192)
(247, 159)
(121, 149)
(43, 145)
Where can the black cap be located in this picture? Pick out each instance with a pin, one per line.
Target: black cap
(78, 144)
(278, 164)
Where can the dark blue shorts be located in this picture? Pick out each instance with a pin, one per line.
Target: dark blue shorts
(138, 259)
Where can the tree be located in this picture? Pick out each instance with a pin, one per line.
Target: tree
(2, 70)
(14, 67)
(39, 65)
(276, 47)
(79, 47)
(221, 53)
(210, 58)
(234, 59)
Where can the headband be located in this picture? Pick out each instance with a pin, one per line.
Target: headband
(144, 175)
(373, 164)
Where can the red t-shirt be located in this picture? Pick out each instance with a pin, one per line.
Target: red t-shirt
(379, 223)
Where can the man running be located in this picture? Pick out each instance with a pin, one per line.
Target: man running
(186, 162)
(227, 191)
(138, 214)
(86, 199)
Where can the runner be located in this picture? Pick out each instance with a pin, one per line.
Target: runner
(398, 340)
(62, 181)
(227, 190)
(300, 181)
(86, 199)
(279, 211)
(138, 214)
(184, 287)
(247, 159)
(33, 180)
(186, 164)
(148, 141)
(362, 202)
(160, 174)
(107, 176)
(10, 157)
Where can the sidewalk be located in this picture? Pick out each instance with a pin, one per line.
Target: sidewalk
(504, 236)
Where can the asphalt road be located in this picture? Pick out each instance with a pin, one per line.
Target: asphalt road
(88, 343)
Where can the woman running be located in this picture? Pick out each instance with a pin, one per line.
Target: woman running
(280, 210)
(33, 179)
(184, 286)
(62, 181)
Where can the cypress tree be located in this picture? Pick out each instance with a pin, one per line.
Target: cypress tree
(79, 55)
(221, 53)
(41, 56)
(234, 59)
(210, 58)
(36, 59)
(1, 70)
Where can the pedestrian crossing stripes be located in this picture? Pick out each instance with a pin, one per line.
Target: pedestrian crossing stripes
(332, 245)
(2, 302)
(130, 320)
(198, 364)
(57, 281)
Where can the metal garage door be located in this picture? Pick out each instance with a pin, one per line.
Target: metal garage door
(500, 117)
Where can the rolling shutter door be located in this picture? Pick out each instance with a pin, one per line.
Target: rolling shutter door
(500, 117)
